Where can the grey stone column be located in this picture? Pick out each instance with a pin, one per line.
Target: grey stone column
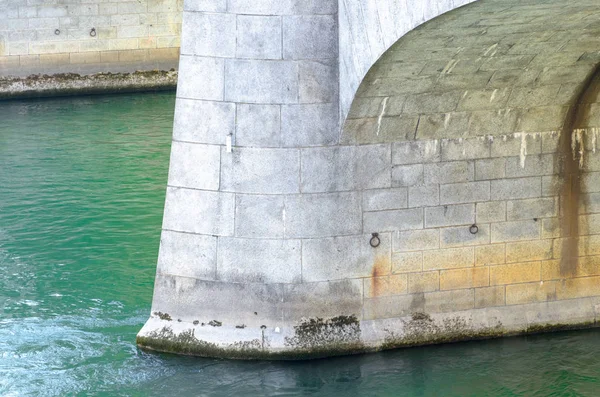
(258, 84)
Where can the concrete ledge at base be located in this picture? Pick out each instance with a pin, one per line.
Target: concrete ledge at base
(64, 84)
(345, 335)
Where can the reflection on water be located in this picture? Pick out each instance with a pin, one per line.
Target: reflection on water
(82, 185)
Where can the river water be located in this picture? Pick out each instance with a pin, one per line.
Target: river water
(82, 185)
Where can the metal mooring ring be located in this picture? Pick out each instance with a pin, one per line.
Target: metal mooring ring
(474, 229)
(57, 32)
(93, 32)
(375, 240)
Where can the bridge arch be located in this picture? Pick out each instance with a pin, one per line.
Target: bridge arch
(442, 211)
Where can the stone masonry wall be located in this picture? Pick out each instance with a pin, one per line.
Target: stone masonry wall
(50, 36)
(459, 200)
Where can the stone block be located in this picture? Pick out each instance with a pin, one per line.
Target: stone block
(309, 125)
(369, 107)
(346, 168)
(208, 34)
(452, 258)
(520, 294)
(490, 169)
(489, 297)
(542, 119)
(438, 102)
(407, 262)
(520, 188)
(449, 172)
(258, 125)
(195, 166)
(282, 7)
(448, 125)
(416, 240)
(423, 196)
(490, 255)
(197, 211)
(309, 37)
(491, 211)
(525, 251)
(423, 282)
(462, 236)
(515, 144)
(464, 278)
(385, 286)
(204, 78)
(318, 81)
(449, 301)
(385, 199)
(236, 305)
(322, 299)
(259, 216)
(260, 170)
(492, 122)
(465, 149)
(387, 221)
(590, 182)
(187, 255)
(515, 231)
(413, 152)
(450, 215)
(407, 175)
(323, 215)
(484, 99)
(259, 261)
(515, 273)
(206, 5)
(259, 37)
(532, 208)
(469, 192)
(261, 81)
(394, 306)
(203, 121)
(578, 287)
(533, 165)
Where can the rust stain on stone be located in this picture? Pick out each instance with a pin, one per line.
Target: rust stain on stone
(381, 268)
(570, 151)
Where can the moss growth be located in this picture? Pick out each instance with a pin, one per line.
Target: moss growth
(163, 316)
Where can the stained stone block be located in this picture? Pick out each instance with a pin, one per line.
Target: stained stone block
(309, 125)
(258, 125)
(195, 166)
(267, 171)
(197, 211)
(204, 78)
(326, 299)
(519, 188)
(318, 81)
(323, 215)
(237, 303)
(416, 152)
(309, 37)
(384, 199)
(208, 34)
(259, 261)
(259, 37)
(515, 231)
(203, 121)
(345, 257)
(449, 172)
(188, 255)
(345, 168)
(261, 81)
(450, 215)
(259, 216)
(384, 221)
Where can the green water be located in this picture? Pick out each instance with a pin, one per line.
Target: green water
(82, 184)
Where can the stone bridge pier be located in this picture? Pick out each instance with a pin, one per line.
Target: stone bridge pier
(348, 177)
